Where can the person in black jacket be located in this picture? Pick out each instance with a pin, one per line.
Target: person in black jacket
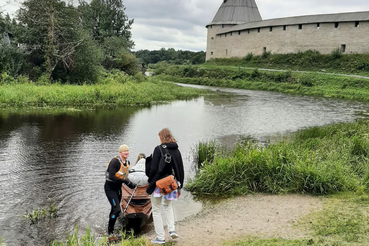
(155, 173)
(116, 175)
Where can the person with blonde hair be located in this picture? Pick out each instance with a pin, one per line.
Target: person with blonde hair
(155, 173)
(116, 175)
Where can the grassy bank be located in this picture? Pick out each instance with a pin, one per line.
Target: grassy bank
(343, 220)
(320, 160)
(335, 62)
(112, 91)
(91, 240)
(331, 160)
(313, 84)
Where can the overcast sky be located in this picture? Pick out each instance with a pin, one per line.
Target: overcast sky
(180, 24)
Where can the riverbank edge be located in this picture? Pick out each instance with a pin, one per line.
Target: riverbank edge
(317, 84)
(81, 97)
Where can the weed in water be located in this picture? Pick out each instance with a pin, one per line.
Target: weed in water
(41, 214)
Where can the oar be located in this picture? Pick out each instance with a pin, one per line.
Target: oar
(130, 198)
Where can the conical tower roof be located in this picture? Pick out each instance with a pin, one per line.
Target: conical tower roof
(236, 12)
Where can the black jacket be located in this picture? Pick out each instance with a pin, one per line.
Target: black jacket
(114, 183)
(176, 163)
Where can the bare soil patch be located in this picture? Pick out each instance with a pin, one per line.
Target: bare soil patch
(258, 215)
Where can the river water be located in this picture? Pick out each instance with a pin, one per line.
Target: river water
(49, 157)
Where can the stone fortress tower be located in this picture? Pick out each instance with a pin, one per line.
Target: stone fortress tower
(238, 29)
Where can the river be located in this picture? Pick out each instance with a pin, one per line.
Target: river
(60, 157)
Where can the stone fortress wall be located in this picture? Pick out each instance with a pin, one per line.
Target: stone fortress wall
(349, 37)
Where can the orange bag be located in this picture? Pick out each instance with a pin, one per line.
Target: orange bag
(167, 185)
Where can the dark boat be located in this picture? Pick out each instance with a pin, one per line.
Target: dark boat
(138, 211)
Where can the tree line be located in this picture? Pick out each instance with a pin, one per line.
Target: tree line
(171, 56)
(74, 44)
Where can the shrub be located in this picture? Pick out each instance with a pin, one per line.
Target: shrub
(336, 54)
(248, 57)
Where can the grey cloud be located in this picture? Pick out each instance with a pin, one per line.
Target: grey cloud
(180, 24)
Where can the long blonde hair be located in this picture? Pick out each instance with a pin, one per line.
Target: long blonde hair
(166, 136)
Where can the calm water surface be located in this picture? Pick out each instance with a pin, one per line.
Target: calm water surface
(61, 157)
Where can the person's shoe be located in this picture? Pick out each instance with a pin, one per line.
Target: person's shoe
(158, 241)
(173, 235)
(113, 239)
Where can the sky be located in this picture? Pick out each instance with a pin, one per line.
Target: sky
(180, 24)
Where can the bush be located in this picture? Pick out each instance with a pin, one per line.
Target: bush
(336, 54)
(127, 62)
(248, 57)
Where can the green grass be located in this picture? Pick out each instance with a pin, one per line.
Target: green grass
(41, 213)
(89, 239)
(311, 83)
(344, 220)
(319, 161)
(253, 241)
(335, 62)
(112, 91)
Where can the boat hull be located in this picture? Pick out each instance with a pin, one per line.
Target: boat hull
(138, 212)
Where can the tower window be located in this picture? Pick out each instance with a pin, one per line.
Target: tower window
(357, 24)
(239, 32)
(300, 26)
(317, 25)
(284, 28)
(336, 25)
(211, 53)
(258, 29)
(270, 29)
(343, 48)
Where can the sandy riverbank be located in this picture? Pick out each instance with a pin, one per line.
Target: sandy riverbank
(257, 215)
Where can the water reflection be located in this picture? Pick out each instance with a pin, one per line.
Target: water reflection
(60, 157)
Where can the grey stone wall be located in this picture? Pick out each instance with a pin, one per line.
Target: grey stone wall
(324, 39)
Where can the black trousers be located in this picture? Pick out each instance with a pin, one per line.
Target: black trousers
(114, 196)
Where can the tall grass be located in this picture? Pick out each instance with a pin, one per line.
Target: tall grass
(206, 153)
(2, 243)
(314, 84)
(89, 239)
(112, 93)
(316, 161)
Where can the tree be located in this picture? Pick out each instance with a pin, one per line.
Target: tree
(51, 31)
(171, 56)
(105, 19)
(11, 58)
(110, 27)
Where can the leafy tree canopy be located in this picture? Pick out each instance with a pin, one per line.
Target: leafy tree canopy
(171, 56)
(106, 19)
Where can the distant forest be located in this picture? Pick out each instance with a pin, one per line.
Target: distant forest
(171, 56)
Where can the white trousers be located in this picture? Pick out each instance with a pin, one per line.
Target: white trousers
(156, 203)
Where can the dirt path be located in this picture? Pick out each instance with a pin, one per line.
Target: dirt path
(266, 215)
